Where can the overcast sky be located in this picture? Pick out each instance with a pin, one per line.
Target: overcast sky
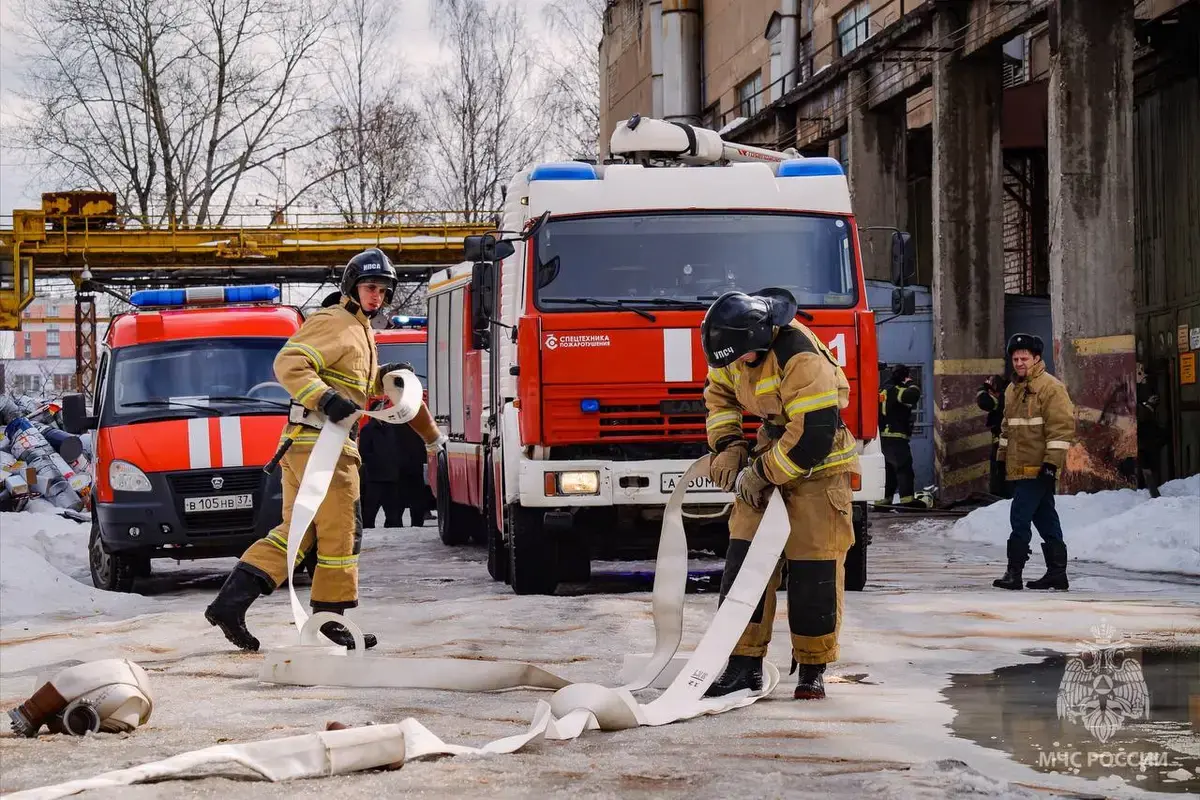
(19, 187)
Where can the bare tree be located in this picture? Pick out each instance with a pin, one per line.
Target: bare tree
(575, 75)
(172, 104)
(489, 110)
(369, 165)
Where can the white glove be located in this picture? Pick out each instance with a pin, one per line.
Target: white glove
(437, 445)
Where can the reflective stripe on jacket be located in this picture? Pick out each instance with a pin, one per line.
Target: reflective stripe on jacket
(1038, 425)
(799, 390)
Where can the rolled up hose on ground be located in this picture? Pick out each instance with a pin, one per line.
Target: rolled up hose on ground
(111, 695)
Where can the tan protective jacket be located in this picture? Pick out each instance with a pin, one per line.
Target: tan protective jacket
(1038, 425)
(798, 390)
(335, 349)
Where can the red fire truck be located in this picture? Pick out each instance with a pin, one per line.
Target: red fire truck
(564, 357)
(187, 412)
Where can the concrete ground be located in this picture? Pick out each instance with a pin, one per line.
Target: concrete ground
(884, 730)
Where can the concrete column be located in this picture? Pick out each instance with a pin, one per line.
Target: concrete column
(878, 176)
(656, 59)
(968, 257)
(1090, 154)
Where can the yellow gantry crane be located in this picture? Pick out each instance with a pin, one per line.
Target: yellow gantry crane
(78, 231)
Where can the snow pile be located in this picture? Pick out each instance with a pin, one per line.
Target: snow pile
(43, 570)
(1123, 527)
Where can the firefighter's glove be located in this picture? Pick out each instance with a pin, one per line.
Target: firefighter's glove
(437, 445)
(725, 465)
(335, 407)
(752, 488)
(395, 365)
(1048, 474)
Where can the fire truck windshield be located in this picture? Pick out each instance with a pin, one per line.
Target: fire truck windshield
(693, 256)
(193, 377)
(412, 352)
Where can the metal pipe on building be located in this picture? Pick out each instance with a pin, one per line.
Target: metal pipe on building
(656, 58)
(789, 41)
(682, 29)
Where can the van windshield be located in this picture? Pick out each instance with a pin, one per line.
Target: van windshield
(412, 352)
(192, 378)
(660, 259)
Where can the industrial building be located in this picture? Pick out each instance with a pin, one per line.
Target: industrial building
(1042, 153)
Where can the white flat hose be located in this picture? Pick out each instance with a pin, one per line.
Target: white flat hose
(572, 709)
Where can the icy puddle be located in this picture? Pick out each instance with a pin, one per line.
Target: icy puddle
(1100, 713)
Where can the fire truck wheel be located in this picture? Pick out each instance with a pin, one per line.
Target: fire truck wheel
(497, 552)
(110, 572)
(451, 529)
(856, 557)
(532, 553)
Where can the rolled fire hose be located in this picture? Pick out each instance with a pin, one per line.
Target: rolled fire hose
(111, 695)
(572, 709)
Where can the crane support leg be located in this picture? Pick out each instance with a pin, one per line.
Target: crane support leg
(85, 343)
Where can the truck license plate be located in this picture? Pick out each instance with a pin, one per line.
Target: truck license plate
(702, 484)
(225, 502)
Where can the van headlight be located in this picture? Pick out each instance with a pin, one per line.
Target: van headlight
(125, 477)
(579, 482)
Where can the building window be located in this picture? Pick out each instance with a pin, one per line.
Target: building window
(750, 95)
(844, 152)
(854, 28)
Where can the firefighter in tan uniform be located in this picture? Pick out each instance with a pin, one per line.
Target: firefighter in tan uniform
(330, 368)
(762, 362)
(1035, 435)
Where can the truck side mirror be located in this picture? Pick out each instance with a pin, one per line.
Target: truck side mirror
(74, 414)
(904, 258)
(486, 248)
(904, 301)
(483, 303)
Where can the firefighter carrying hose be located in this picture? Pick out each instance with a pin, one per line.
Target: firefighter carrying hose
(763, 362)
(898, 402)
(330, 368)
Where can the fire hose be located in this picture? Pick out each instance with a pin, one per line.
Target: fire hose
(571, 710)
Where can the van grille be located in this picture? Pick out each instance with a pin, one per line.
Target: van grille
(198, 483)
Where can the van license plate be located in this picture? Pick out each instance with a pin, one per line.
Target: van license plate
(225, 502)
(702, 484)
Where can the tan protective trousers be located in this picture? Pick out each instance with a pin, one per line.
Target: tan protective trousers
(822, 530)
(337, 529)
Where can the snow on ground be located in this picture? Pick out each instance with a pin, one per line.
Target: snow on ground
(1124, 528)
(884, 731)
(44, 572)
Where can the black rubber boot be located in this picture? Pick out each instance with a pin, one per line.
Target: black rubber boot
(341, 636)
(743, 672)
(1018, 554)
(811, 683)
(1056, 568)
(228, 610)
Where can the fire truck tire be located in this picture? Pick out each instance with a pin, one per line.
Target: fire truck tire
(532, 553)
(856, 557)
(451, 529)
(110, 571)
(497, 552)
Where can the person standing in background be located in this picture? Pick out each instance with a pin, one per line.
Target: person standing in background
(991, 399)
(898, 401)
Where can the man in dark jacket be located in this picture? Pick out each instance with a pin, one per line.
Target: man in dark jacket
(991, 399)
(1150, 441)
(379, 444)
(898, 401)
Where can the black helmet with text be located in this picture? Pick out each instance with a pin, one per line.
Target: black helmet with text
(737, 324)
(370, 265)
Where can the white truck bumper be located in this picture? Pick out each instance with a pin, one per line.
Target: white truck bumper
(624, 483)
(650, 483)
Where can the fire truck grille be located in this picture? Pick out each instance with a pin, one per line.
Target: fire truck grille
(199, 483)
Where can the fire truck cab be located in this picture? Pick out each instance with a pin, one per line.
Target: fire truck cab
(565, 359)
(186, 413)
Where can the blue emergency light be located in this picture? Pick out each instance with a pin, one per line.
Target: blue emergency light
(589, 406)
(816, 167)
(403, 321)
(203, 295)
(563, 171)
